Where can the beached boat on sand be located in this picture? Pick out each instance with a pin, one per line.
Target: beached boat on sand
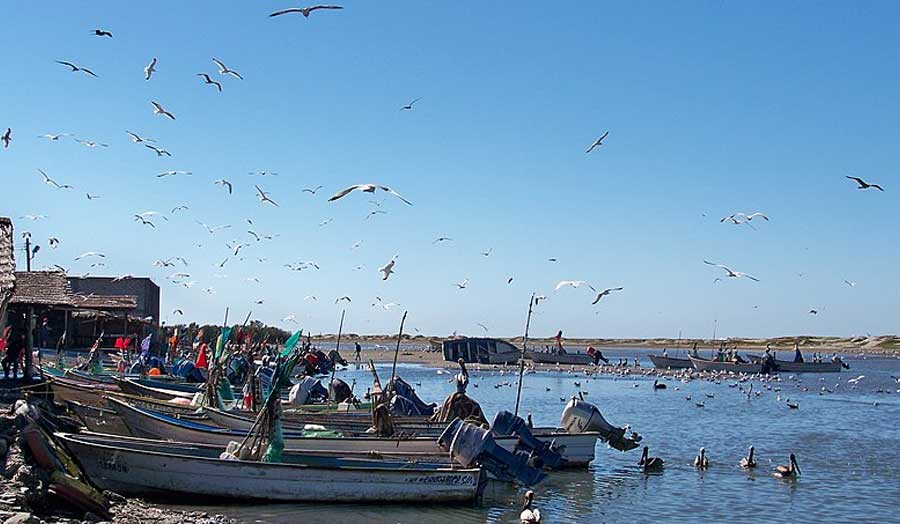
(136, 466)
(576, 448)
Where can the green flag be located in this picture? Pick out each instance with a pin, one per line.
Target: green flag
(291, 342)
(223, 339)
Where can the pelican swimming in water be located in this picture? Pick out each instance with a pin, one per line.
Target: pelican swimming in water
(657, 385)
(790, 471)
(701, 461)
(529, 515)
(748, 462)
(648, 463)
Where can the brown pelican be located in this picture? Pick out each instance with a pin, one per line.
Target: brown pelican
(701, 461)
(657, 385)
(790, 471)
(648, 463)
(748, 462)
(529, 515)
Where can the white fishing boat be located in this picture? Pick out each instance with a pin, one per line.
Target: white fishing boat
(665, 362)
(576, 448)
(540, 357)
(139, 466)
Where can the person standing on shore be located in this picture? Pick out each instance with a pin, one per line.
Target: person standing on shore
(15, 343)
(357, 356)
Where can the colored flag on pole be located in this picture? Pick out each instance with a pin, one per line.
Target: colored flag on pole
(291, 342)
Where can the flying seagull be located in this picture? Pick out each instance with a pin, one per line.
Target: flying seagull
(312, 191)
(173, 173)
(305, 11)
(463, 284)
(598, 142)
(210, 81)
(223, 69)
(863, 184)
(150, 69)
(91, 143)
(159, 110)
(487, 253)
(344, 298)
(158, 151)
(408, 107)
(137, 139)
(813, 312)
(388, 268)
(101, 32)
(572, 283)
(224, 183)
(368, 188)
(264, 197)
(7, 137)
(731, 274)
(90, 254)
(76, 68)
(442, 239)
(53, 138)
(375, 212)
(605, 292)
(144, 221)
(50, 182)
(849, 283)
(90, 196)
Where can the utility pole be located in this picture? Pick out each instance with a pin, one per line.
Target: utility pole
(28, 253)
(29, 320)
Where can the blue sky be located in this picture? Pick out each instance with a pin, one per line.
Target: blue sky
(712, 108)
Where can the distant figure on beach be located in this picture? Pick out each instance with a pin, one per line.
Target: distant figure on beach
(694, 352)
(357, 350)
(798, 357)
(559, 346)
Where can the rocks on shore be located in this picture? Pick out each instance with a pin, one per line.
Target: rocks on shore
(24, 498)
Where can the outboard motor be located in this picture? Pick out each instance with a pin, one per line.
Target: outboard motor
(340, 391)
(580, 417)
(469, 444)
(542, 454)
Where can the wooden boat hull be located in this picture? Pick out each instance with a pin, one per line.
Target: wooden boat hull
(98, 419)
(661, 362)
(133, 388)
(139, 468)
(576, 449)
(66, 390)
(566, 359)
(701, 364)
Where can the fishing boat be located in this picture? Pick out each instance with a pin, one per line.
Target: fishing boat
(666, 362)
(480, 351)
(539, 357)
(140, 466)
(100, 420)
(576, 448)
(64, 390)
(161, 392)
(756, 366)
(702, 364)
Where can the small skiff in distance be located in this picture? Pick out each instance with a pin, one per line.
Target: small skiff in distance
(661, 362)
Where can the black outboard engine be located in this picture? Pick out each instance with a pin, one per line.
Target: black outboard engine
(470, 444)
(340, 391)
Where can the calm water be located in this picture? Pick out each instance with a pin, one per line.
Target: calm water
(847, 446)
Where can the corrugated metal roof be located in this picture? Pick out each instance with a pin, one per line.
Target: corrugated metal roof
(46, 288)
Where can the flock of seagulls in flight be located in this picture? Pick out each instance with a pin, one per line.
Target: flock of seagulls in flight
(266, 198)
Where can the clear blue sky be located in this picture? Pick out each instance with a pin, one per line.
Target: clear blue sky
(712, 108)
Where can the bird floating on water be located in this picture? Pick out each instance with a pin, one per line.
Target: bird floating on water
(648, 463)
(529, 514)
(748, 462)
(792, 470)
(701, 461)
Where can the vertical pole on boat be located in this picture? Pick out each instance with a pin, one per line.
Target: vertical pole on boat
(338, 349)
(397, 352)
(522, 359)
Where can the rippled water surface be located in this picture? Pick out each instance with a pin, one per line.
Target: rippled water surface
(847, 443)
